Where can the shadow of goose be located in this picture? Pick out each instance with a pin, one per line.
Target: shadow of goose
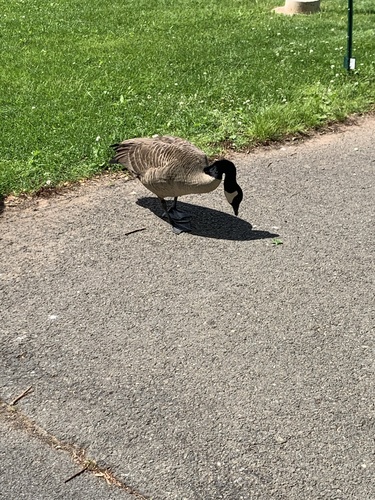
(210, 223)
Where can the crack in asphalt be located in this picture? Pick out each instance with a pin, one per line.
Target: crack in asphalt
(20, 421)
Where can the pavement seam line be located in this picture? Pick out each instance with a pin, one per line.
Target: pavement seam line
(20, 421)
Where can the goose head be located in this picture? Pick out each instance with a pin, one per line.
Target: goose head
(232, 190)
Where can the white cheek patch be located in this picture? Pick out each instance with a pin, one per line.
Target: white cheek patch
(230, 196)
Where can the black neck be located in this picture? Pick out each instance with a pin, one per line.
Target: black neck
(220, 167)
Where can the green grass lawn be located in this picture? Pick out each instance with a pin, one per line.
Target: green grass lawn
(77, 76)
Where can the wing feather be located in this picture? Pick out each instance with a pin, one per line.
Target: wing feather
(159, 152)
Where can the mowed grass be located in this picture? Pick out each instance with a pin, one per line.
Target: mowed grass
(78, 76)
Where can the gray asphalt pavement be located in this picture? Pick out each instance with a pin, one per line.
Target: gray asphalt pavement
(220, 364)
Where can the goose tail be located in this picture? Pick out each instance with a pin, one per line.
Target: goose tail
(121, 154)
(114, 160)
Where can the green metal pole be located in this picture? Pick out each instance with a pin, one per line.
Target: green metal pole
(349, 62)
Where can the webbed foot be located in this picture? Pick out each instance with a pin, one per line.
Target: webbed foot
(179, 220)
(179, 215)
(179, 227)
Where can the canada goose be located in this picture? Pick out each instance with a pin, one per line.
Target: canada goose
(172, 167)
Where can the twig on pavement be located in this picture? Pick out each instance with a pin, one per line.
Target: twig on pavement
(76, 474)
(135, 231)
(25, 393)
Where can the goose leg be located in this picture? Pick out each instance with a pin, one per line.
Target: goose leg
(165, 214)
(177, 214)
(179, 221)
